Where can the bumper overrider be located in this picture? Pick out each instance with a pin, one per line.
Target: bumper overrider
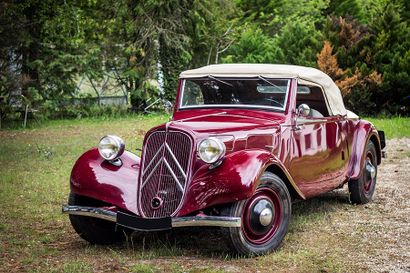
(134, 222)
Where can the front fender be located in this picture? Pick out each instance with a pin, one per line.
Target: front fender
(94, 177)
(363, 133)
(235, 179)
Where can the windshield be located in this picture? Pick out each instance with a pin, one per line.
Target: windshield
(257, 92)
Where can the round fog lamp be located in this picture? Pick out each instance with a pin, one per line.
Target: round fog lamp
(111, 147)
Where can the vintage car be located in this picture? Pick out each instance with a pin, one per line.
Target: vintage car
(244, 142)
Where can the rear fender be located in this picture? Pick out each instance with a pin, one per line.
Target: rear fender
(364, 132)
(94, 177)
(235, 179)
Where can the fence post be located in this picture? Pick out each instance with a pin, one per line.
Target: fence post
(2, 102)
(25, 117)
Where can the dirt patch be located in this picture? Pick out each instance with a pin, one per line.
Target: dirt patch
(370, 238)
(382, 228)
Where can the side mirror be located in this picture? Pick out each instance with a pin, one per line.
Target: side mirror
(303, 110)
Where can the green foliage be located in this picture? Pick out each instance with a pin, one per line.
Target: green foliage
(214, 25)
(253, 46)
(300, 41)
(376, 43)
(391, 53)
(67, 109)
(45, 46)
(278, 32)
(273, 15)
(364, 11)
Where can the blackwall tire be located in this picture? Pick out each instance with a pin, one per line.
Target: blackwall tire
(93, 230)
(258, 235)
(362, 190)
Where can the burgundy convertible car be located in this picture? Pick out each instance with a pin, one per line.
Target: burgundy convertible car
(244, 142)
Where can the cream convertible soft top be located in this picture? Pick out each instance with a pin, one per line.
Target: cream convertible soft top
(314, 75)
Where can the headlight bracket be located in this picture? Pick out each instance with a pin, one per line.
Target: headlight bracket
(116, 162)
(216, 164)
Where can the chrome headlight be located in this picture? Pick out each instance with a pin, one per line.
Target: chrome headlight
(111, 147)
(211, 149)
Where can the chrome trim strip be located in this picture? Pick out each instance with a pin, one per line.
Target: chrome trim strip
(176, 160)
(190, 221)
(206, 221)
(152, 172)
(153, 159)
(173, 174)
(307, 121)
(232, 106)
(91, 212)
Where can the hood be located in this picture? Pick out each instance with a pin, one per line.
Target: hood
(225, 121)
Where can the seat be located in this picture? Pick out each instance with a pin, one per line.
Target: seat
(315, 114)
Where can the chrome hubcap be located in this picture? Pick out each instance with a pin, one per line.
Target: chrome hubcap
(266, 216)
(371, 170)
(261, 216)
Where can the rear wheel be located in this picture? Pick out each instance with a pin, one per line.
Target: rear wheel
(362, 189)
(265, 218)
(93, 230)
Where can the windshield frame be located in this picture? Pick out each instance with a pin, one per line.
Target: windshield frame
(240, 106)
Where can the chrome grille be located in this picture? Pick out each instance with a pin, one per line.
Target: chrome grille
(164, 173)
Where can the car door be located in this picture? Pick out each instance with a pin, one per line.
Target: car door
(318, 158)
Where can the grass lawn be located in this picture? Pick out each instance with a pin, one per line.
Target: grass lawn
(395, 127)
(36, 237)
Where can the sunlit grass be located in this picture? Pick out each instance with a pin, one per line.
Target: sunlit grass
(394, 127)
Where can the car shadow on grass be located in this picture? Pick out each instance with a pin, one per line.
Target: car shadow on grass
(211, 243)
(318, 210)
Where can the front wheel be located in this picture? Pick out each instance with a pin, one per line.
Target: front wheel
(362, 189)
(93, 230)
(265, 218)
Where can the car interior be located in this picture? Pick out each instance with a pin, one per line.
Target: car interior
(314, 98)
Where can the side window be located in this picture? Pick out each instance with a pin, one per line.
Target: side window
(313, 96)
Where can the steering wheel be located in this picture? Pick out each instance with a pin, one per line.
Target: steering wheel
(274, 101)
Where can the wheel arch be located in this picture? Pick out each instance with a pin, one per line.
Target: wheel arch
(236, 178)
(376, 141)
(293, 189)
(363, 133)
(93, 177)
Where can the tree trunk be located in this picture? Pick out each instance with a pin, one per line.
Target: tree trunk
(31, 52)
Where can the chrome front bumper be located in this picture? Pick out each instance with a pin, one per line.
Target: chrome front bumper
(91, 212)
(145, 224)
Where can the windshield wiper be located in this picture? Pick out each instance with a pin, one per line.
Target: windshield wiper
(265, 80)
(221, 81)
